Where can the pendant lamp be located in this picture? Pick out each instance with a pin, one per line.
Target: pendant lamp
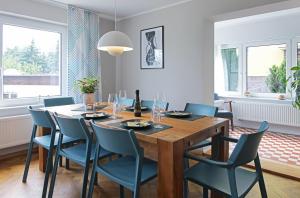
(115, 42)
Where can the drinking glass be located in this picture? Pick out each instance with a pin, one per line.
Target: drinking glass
(115, 106)
(122, 97)
(109, 100)
(156, 114)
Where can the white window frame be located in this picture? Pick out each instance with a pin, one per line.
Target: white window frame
(219, 47)
(39, 25)
(288, 65)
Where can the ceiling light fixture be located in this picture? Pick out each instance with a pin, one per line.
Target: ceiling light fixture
(115, 42)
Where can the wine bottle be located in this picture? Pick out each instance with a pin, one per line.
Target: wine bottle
(137, 105)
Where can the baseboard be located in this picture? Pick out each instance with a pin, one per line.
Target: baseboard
(15, 151)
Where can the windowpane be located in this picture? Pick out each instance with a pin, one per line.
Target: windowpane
(231, 68)
(266, 69)
(31, 62)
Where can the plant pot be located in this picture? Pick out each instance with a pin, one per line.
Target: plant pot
(89, 99)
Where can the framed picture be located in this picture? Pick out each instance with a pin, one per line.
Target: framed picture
(152, 48)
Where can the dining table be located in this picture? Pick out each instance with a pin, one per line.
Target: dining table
(167, 146)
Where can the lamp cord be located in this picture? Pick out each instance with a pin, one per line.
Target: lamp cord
(115, 15)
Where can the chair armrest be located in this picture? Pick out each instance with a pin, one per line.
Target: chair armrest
(229, 139)
(199, 146)
(207, 161)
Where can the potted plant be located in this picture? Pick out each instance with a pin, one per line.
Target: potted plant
(88, 88)
(295, 85)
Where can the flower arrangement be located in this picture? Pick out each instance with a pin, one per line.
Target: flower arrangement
(87, 85)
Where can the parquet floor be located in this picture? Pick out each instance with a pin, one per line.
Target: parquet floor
(68, 184)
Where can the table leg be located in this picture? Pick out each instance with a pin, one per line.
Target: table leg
(170, 169)
(220, 150)
(43, 153)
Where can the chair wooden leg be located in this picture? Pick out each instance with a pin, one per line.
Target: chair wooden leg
(27, 163)
(60, 162)
(67, 164)
(231, 123)
(96, 179)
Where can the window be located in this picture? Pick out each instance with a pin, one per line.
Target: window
(31, 60)
(266, 69)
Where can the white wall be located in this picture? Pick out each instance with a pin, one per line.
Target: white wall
(279, 26)
(189, 49)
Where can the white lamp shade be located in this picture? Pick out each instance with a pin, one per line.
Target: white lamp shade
(115, 43)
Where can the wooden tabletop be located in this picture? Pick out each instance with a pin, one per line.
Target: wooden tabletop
(181, 129)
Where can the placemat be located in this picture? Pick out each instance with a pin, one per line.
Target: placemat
(147, 131)
(190, 118)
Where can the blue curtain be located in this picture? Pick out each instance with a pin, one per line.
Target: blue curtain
(83, 31)
(231, 68)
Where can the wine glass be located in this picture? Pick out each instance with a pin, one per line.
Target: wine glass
(115, 106)
(109, 99)
(122, 97)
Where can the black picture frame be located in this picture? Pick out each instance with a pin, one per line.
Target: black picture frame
(149, 38)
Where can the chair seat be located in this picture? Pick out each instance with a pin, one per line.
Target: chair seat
(216, 178)
(122, 171)
(224, 114)
(77, 153)
(44, 141)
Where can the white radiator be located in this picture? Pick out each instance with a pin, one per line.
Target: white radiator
(281, 114)
(15, 130)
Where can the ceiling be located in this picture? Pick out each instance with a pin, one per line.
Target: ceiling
(129, 7)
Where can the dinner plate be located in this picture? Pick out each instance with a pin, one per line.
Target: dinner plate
(178, 114)
(132, 108)
(94, 115)
(136, 124)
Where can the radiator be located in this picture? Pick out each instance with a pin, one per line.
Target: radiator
(281, 114)
(15, 130)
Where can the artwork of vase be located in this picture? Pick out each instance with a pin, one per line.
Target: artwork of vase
(152, 48)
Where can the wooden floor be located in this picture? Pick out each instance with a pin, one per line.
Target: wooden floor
(69, 183)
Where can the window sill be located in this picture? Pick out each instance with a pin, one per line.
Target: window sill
(259, 99)
(16, 110)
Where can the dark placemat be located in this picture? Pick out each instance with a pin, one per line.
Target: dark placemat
(147, 131)
(190, 118)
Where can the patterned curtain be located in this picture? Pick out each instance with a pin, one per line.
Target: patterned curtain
(231, 68)
(83, 28)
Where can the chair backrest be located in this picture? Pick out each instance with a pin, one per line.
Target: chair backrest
(149, 104)
(118, 141)
(73, 127)
(246, 148)
(59, 101)
(41, 118)
(201, 109)
(216, 96)
(128, 102)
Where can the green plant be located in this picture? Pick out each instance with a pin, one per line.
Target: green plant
(295, 85)
(276, 80)
(87, 85)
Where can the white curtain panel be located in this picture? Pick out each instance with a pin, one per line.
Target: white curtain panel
(83, 35)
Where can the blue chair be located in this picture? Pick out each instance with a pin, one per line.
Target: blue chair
(59, 101)
(201, 109)
(225, 113)
(228, 177)
(131, 169)
(81, 153)
(128, 102)
(43, 119)
(149, 104)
